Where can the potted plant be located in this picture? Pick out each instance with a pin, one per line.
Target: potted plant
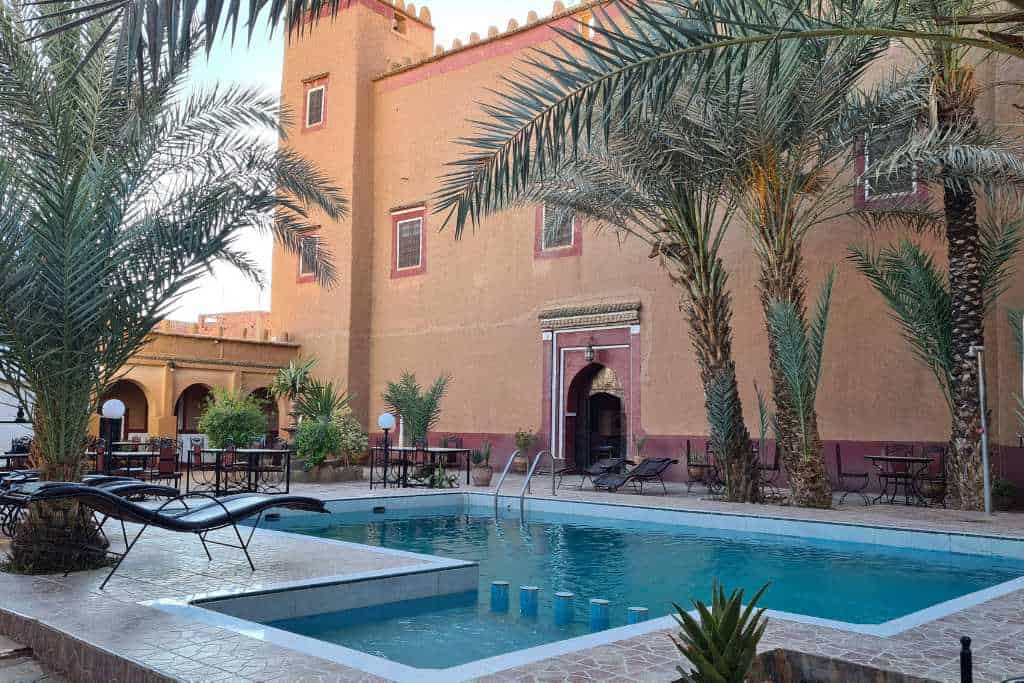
(482, 471)
(1003, 494)
(525, 439)
(419, 408)
(329, 439)
(232, 417)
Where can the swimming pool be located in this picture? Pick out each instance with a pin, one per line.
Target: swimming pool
(628, 562)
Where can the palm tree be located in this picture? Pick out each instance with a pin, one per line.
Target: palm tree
(291, 382)
(775, 124)
(114, 200)
(637, 183)
(419, 409)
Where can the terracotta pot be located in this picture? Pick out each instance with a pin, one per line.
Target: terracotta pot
(695, 473)
(520, 463)
(481, 476)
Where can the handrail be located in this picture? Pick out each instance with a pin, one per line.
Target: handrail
(529, 476)
(501, 480)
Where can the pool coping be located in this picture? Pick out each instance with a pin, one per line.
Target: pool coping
(191, 608)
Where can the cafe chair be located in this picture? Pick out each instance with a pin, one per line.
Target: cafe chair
(850, 482)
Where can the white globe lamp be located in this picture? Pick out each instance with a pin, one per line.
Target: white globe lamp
(113, 409)
(386, 421)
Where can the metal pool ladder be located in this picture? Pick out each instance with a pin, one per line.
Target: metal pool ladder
(501, 480)
(529, 476)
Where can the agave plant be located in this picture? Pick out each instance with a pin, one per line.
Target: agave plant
(721, 643)
(114, 199)
(321, 401)
(419, 409)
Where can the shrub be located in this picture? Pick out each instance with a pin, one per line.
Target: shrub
(233, 417)
(353, 438)
(315, 440)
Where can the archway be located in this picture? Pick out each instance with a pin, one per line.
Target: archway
(594, 421)
(189, 407)
(135, 423)
(269, 405)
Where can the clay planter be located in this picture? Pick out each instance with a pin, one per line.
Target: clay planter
(481, 476)
(935, 491)
(520, 464)
(695, 473)
(329, 472)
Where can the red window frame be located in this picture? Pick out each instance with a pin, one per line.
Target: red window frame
(299, 275)
(400, 216)
(861, 200)
(574, 249)
(307, 86)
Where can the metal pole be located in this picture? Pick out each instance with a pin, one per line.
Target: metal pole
(966, 661)
(979, 353)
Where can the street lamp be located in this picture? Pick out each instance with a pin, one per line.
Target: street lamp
(113, 409)
(386, 422)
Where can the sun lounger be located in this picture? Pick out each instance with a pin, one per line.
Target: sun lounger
(215, 514)
(596, 469)
(651, 469)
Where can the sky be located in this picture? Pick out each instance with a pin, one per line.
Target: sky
(259, 64)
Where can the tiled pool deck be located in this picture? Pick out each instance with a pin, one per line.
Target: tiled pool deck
(70, 624)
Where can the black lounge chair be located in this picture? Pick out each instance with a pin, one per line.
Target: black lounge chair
(219, 513)
(651, 469)
(595, 469)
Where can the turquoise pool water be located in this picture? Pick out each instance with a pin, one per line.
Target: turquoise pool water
(628, 563)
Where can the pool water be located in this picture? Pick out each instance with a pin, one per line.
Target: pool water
(629, 564)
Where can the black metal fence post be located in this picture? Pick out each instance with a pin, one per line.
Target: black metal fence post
(966, 661)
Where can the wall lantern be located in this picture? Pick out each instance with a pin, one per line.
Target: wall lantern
(588, 353)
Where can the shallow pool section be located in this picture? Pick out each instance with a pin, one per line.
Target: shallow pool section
(629, 563)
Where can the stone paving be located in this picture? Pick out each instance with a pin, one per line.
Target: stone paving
(76, 628)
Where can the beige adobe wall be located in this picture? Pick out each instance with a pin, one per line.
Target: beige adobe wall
(351, 49)
(473, 312)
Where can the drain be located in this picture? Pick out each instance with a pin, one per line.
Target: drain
(379, 510)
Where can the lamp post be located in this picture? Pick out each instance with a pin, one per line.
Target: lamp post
(978, 352)
(386, 422)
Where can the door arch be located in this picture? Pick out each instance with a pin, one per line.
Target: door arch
(189, 407)
(135, 422)
(595, 424)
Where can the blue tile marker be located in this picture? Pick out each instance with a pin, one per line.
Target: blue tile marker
(528, 599)
(563, 608)
(598, 614)
(499, 596)
(636, 614)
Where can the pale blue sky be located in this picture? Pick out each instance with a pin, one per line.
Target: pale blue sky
(259, 64)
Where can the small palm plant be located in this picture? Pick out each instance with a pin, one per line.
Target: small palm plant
(420, 409)
(321, 401)
(800, 347)
(291, 381)
(722, 644)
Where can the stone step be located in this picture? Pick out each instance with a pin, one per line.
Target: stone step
(10, 649)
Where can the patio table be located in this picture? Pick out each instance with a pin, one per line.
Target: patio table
(433, 454)
(260, 476)
(129, 463)
(14, 461)
(899, 468)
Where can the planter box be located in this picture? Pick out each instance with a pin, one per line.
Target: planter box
(328, 475)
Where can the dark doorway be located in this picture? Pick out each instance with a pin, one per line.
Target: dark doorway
(605, 418)
(594, 416)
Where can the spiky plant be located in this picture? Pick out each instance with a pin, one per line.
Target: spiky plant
(636, 183)
(291, 381)
(800, 348)
(321, 402)
(115, 197)
(721, 643)
(419, 409)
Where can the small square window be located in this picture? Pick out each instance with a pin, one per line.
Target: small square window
(898, 182)
(410, 243)
(309, 248)
(558, 228)
(315, 106)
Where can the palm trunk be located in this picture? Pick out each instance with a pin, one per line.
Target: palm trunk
(956, 108)
(708, 308)
(61, 536)
(966, 471)
(783, 280)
